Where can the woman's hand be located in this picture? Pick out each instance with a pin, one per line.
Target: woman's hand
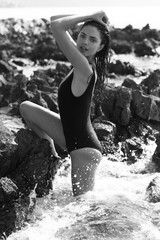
(100, 17)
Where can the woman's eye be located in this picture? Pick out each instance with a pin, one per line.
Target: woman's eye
(93, 40)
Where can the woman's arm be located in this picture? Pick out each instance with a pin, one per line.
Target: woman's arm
(59, 26)
(60, 16)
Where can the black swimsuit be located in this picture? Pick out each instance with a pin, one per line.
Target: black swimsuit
(75, 116)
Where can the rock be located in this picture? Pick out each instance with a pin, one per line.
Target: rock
(156, 155)
(121, 46)
(116, 104)
(122, 112)
(26, 166)
(141, 104)
(5, 67)
(130, 83)
(152, 82)
(36, 165)
(8, 191)
(153, 190)
(8, 159)
(3, 81)
(108, 101)
(121, 68)
(145, 48)
(154, 113)
(105, 131)
(132, 149)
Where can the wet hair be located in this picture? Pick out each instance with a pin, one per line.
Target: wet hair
(101, 57)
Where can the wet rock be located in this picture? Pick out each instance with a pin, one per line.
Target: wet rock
(122, 68)
(116, 104)
(5, 67)
(3, 81)
(122, 112)
(130, 83)
(156, 155)
(27, 160)
(153, 190)
(151, 83)
(8, 191)
(26, 165)
(105, 131)
(108, 101)
(155, 109)
(8, 159)
(143, 41)
(144, 48)
(121, 46)
(141, 104)
(132, 149)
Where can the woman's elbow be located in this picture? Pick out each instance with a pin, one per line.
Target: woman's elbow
(54, 24)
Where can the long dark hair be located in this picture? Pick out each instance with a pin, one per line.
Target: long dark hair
(101, 57)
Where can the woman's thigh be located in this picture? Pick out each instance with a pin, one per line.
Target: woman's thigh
(48, 121)
(84, 165)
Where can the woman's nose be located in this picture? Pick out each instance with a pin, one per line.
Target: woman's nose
(85, 41)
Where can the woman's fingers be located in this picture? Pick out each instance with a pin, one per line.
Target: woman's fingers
(102, 18)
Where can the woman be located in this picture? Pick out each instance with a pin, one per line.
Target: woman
(72, 129)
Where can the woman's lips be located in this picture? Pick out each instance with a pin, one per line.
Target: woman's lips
(83, 49)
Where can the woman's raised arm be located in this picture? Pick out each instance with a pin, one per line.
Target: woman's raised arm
(60, 27)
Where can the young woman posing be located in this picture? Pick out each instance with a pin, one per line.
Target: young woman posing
(72, 129)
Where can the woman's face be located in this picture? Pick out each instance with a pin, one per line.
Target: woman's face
(89, 41)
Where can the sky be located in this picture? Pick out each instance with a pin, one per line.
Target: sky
(121, 13)
(75, 3)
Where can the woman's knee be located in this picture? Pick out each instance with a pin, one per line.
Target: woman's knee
(24, 108)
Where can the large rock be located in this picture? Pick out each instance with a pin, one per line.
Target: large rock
(153, 190)
(116, 104)
(141, 104)
(27, 166)
(122, 111)
(144, 48)
(121, 46)
(151, 83)
(106, 132)
(130, 83)
(155, 109)
(122, 68)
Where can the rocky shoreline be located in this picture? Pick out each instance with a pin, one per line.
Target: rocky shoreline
(126, 118)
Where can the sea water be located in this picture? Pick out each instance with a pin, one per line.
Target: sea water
(117, 209)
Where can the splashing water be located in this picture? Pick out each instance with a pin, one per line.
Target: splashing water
(117, 209)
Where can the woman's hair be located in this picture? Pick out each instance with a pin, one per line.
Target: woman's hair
(101, 57)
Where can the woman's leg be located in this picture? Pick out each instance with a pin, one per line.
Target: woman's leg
(84, 165)
(45, 123)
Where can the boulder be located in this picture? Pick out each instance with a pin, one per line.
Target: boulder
(105, 131)
(121, 46)
(144, 48)
(154, 113)
(27, 167)
(152, 82)
(5, 67)
(130, 83)
(141, 104)
(116, 104)
(121, 68)
(108, 101)
(153, 190)
(122, 111)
